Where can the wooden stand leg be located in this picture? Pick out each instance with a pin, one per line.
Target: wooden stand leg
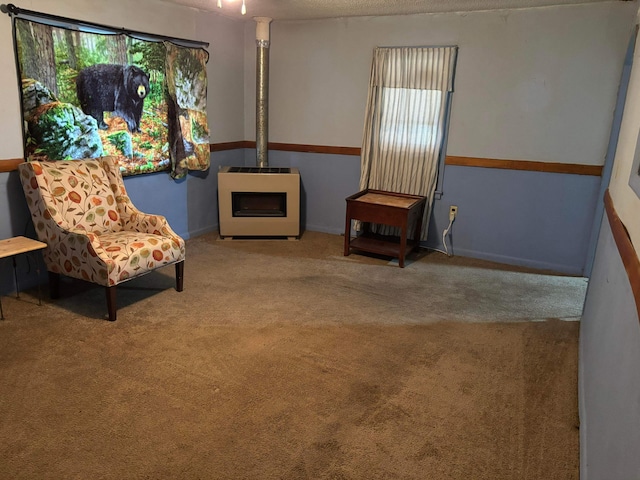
(180, 276)
(111, 303)
(418, 230)
(403, 245)
(39, 290)
(15, 276)
(54, 285)
(347, 236)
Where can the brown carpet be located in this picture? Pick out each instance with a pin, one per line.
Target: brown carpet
(286, 360)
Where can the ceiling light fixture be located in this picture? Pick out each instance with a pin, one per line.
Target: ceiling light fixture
(243, 10)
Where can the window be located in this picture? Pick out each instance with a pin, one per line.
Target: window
(409, 96)
(410, 128)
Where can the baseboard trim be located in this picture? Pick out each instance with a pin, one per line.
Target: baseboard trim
(220, 147)
(287, 147)
(200, 231)
(322, 229)
(522, 262)
(10, 164)
(526, 165)
(626, 249)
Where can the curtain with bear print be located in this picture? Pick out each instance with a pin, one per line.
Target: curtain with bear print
(186, 94)
(87, 95)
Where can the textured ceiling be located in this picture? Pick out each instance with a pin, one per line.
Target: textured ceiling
(313, 9)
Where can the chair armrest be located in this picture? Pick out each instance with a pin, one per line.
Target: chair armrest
(134, 220)
(138, 221)
(78, 253)
(80, 237)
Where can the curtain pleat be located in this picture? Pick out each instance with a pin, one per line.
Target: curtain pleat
(422, 68)
(405, 121)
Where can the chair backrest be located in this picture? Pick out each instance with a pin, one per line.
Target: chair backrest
(76, 194)
(124, 203)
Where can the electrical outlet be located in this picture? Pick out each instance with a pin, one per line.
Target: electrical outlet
(453, 211)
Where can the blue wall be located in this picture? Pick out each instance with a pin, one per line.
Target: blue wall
(535, 219)
(14, 214)
(190, 206)
(14, 221)
(609, 380)
(326, 181)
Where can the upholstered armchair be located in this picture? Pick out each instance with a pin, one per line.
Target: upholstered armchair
(81, 210)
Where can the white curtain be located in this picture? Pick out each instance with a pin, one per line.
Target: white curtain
(405, 121)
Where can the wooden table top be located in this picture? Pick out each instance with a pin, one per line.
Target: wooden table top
(16, 245)
(388, 199)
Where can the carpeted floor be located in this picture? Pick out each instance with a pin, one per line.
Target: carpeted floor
(286, 360)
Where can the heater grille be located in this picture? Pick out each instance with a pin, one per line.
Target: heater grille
(259, 170)
(259, 204)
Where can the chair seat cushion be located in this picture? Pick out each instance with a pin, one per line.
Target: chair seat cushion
(133, 253)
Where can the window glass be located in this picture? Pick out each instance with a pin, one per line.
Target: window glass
(404, 123)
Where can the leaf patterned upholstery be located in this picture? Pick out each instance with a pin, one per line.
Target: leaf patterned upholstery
(81, 210)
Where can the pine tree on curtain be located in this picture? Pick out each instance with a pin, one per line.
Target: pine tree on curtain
(186, 97)
(88, 94)
(405, 122)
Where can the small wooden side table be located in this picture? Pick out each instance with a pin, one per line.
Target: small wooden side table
(388, 208)
(11, 247)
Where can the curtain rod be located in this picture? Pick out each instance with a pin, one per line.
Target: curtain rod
(11, 9)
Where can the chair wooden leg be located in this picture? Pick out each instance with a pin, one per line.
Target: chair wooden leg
(111, 303)
(180, 276)
(54, 285)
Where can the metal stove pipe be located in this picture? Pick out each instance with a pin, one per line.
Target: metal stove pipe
(262, 91)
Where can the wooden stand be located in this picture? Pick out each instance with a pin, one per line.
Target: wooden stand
(11, 247)
(388, 208)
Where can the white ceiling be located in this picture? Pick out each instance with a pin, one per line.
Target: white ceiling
(314, 9)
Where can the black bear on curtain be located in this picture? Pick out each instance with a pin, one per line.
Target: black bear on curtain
(87, 95)
(120, 89)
